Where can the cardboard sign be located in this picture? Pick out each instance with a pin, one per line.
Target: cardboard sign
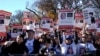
(66, 19)
(88, 14)
(2, 28)
(46, 23)
(89, 18)
(14, 35)
(79, 21)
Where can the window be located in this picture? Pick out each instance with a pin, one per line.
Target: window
(1, 21)
(69, 14)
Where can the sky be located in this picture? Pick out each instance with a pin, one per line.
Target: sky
(13, 5)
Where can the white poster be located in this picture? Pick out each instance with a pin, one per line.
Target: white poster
(2, 28)
(65, 17)
(89, 18)
(14, 35)
(7, 21)
(29, 27)
(89, 15)
(79, 20)
(46, 22)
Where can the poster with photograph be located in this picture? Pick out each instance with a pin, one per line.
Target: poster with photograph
(65, 17)
(89, 15)
(46, 24)
(66, 20)
(2, 28)
(79, 21)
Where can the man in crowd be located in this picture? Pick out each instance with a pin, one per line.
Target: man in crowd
(32, 43)
(68, 48)
(84, 47)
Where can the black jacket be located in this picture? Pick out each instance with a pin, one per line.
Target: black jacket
(16, 48)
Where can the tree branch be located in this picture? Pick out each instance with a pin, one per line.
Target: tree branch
(34, 13)
(96, 4)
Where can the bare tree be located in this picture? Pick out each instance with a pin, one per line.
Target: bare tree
(96, 3)
(17, 18)
(19, 15)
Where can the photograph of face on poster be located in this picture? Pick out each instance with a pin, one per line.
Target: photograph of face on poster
(82, 51)
(92, 17)
(70, 50)
(63, 15)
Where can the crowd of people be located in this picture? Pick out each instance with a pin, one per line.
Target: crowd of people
(56, 43)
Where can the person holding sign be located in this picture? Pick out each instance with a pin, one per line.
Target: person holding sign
(84, 47)
(68, 48)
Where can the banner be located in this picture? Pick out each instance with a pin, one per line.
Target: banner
(14, 35)
(79, 21)
(89, 18)
(46, 23)
(88, 14)
(66, 19)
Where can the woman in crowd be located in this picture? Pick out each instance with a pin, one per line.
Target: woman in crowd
(16, 47)
(47, 49)
(97, 45)
(68, 47)
(84, 47)
(5, 50)
(56, 46)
